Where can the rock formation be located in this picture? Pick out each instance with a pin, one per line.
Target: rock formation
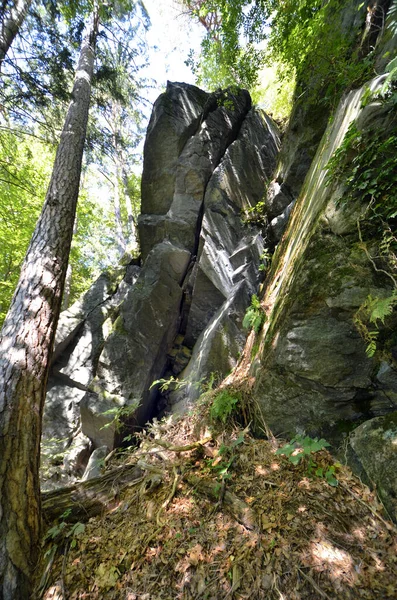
(207, 160)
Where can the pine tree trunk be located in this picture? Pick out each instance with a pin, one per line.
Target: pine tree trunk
(26, 344)
(11, 22)
(121, 242)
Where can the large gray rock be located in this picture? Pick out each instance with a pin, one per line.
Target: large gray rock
(207, 160)
(312, 371)
(81, 335)
(176, 214)
(226, 273)
(374, 446)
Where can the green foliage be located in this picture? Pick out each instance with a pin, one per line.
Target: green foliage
(304, 37)
(366, 160)
(372, 310)
(254, 317)
(64, 531)
(171, 384)
(301, 448)
(274, 94)
(120, 415)
(25, 168)
(227, 454)
(266, 259)
(223, 406)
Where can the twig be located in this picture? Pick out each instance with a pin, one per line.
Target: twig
(236, 507)
(314, 584)
(170, 497)
(371, 260)
(65, 556)
(47, 572)
(171, 448)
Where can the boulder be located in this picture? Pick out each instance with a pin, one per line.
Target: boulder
(373, 453)
(96, 464)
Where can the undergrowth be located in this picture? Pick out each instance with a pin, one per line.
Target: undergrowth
(218, 514)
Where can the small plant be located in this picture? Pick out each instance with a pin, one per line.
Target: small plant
(171, 384)
(372, 310)
(223, 405)
(62, 530)
(120, 415)
(301, 448)
(225, 459)
(254, 317)
(266, 259)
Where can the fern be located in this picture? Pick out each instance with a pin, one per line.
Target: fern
(382, 308)
(254, 317)
(372, 310)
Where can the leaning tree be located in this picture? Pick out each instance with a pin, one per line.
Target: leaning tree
(27, 339)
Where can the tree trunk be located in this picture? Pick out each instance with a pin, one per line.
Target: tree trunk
(11, 21)
(26, 344)
(121, 242)
(132, 228)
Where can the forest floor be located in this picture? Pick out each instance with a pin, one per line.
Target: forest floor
(219, 515)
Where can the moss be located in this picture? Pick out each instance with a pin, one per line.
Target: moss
(114, 277)
(118, 325)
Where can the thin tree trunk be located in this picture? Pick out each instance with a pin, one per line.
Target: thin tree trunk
(121, 241)
(11, 22)
(26, 344)
(132, 228)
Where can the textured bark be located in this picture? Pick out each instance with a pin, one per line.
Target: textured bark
(11, 21)
(26, 344)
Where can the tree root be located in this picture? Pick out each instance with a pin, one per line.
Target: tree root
(89, 498)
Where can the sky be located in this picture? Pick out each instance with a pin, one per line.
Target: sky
(173, 34)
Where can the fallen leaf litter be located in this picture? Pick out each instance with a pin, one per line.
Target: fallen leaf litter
(262, 529)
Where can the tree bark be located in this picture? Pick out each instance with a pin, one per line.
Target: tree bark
(11, 21)
(26, 343)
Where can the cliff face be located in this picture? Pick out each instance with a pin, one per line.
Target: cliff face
(312, 369)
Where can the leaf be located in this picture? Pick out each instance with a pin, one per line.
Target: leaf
(106, 576)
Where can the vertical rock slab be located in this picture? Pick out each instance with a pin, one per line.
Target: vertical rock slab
(202, 145)
(312, 370)
(226, 272)
(135, 353)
